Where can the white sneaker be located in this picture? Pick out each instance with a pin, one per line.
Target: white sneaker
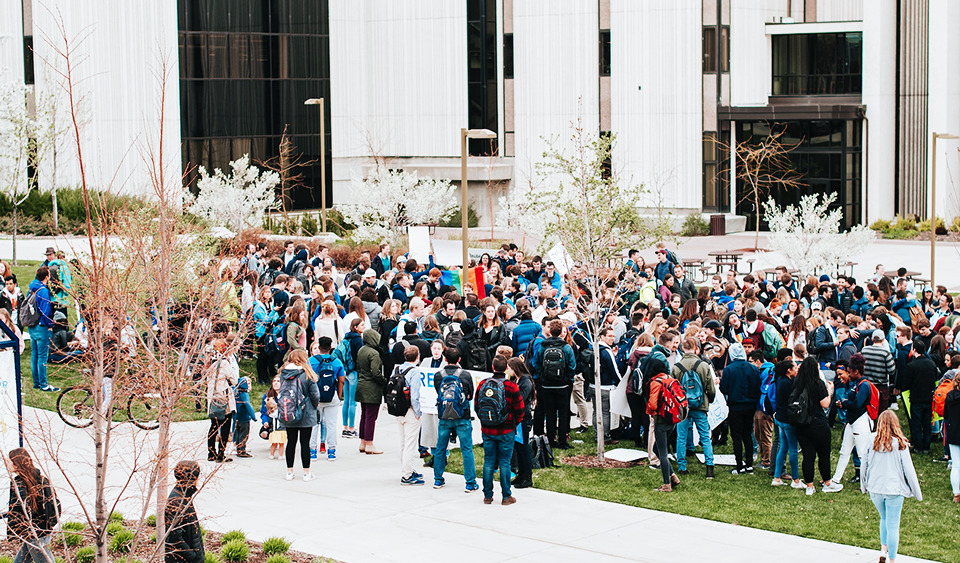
(777, 483)
(797, 485)
(289, 477)
(833, 487)
(810, 490)
(309, 477)
(271, 456)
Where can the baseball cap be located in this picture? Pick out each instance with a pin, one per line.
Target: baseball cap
(824, 278)
(551, 304)
(370, 273)
(817, 306)
(878, 335)
(749, 340)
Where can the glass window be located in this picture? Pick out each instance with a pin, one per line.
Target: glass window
(28, 71)
(709, 49)
(817, 64)
(508, 55)
(725, 48)
(604, 52)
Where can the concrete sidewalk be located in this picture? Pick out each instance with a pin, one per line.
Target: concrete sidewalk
(356, 510)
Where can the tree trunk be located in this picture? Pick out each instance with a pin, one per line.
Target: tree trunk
(15, 231)
(597, 400)
(163, 470)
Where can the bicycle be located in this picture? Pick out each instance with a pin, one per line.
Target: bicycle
(75, 407)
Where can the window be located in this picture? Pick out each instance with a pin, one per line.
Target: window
(28, 75)
(606, 167)
(482, 107)
(725, 48)
(604, 52)
(709, 49)
(508, 55)
(822, 64)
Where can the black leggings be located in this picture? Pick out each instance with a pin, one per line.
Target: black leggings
(217, 437)
(661, 431)
(304, 437)
(741, 430)
(814, 440)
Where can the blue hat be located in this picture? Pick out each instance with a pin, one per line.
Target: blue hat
(824, 278)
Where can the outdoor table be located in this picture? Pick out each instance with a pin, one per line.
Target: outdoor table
(695, 267)
(892, 273)
(726, 258)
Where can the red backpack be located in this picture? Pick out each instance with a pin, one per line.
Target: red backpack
(873, 405)
(940, 396)
(672, 404)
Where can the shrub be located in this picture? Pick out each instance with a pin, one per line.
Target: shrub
(924, 226)
(152, 520)
(210, 557)
(275, 546)
(473, 219)
(122, 541)
(900, 234)
(71, 540)
(694, 226)
(116, 517)
(74, 526)
(308, 225)
(6, 559)
(880, 225)
(278, 558)
(905, 223)
(235, 551)
(233, 535)
(85, 554)
(153, 538)
(114, 527)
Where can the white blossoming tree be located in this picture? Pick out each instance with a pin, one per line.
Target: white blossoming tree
(237, 201)
(522, 210)
(387, 201)
(809, 236)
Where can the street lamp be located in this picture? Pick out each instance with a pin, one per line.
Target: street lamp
(323, 163)
(933, 204)
(464, 135)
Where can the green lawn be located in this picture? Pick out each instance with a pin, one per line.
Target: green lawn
(927, 529)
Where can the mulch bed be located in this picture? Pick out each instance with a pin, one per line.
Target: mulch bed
(592, 461)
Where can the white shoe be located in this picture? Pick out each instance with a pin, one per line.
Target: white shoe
(309, 477)
(271, 456)
(289, 477)
(777, 483)
(797, 485)
(833, 487)
(810, 490)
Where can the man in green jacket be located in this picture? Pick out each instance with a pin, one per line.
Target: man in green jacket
(692, 364)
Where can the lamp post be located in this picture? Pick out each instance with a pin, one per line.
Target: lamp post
(933, 204)
(323, 162)
(464, 135)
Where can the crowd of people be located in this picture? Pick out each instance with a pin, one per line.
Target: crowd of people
(792, 357)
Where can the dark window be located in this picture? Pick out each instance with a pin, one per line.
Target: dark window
(817, 64)
(508, 55)
(28, 75)
(725, 48)
(606, 167)
(709, 49)
(604, 52)
(482, 112)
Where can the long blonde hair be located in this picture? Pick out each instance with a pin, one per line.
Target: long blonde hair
(888, 428)
(302, 360)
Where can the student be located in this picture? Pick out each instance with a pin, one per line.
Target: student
(920, 378)
(41, 332)
(889, 477)
(370, 383)
(813, 434)
(330, 380)
(951, 425)
(691, 362)
(499, 407)
(222, 374)
(409, 423)
(785, 372)
(856, 432)
(33, 510)
(517, 372)
(245, 416)
(654, 371)
(297, 371)
(556, 363)
(184, 543)
(453, 411)
(740, 384)
(270, 420)
(429, 420)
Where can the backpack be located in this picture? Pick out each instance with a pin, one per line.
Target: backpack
(940, 395)
(692, 386)
(396, 394)
(453, 337)
(491, 403)
(768, 393)
(635, 384)
(798, 410)
(476, 357)
(672, 403)
(873, 405)
(29, 314)
(342, 353)
(267, 278)
(326, 380)
(916, 314)
(624, 347)
(452, 403)
(585, 364)
(291, 399)
(277, 340)
(553, 367)
(672, 257)
(541, 452)
(772, 342)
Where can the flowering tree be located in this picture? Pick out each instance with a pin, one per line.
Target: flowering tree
(236, 201)
(809, 236)
(388, 201)
(521, 210)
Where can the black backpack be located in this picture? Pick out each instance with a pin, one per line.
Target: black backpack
(798, 409)
(476, 358)
(553, 367)
(491, 401)
(541, 452)
(396, 394)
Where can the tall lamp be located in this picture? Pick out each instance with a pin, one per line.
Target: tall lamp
(933, 204)
(464, 135)
(323, 162)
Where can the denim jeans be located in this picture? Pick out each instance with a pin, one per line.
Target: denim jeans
(889, 507)
(955, 468)
(464, 430)
(349, 410)
(497, 452)
(36, 553)
(39, 353)
(788, 444)
(684, 430)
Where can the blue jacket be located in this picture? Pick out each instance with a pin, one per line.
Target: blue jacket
(902, 308)
(555, 283)
(662, 269)
(740, 382)
(570, 359)
(861, 307)
(399, 293)
(523, 334)
(43, 302)
(262, 317)
(245, 412)
(856, 403)
(823, 342)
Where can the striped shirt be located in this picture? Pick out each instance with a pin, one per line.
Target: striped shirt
(880, 368)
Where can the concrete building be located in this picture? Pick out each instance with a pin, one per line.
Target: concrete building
(860, 86)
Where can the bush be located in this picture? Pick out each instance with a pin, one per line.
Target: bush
(85, 554)
(122, 541)
(152, 520)
(924, 226)
(905, 223)
(153, 538)
(234, 535)
(74, 526)
(694, 226)
(880, 225)
(6, 559)
(116, 517)
(210, 557)
(235, 551)
(453, 220)
(275, 546)
(900, 234)
(278, 558)
(71, 540)
(113, 528)
(308, 225)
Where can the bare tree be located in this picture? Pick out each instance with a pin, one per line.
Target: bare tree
(289, 164)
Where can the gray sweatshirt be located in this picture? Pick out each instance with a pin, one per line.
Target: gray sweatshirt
(889, 473)
(413, 383)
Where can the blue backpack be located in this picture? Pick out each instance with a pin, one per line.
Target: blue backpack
(277, 340)
(768, 391)
(452, 402)
(693, 386)
(491, 403)
(342, 353)
(326, 379)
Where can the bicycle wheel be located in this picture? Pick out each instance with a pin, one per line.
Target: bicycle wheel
(75, 406)
(144, 410)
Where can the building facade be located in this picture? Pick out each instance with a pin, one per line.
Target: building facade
(857, 86)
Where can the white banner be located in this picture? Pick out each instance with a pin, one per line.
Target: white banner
(419, 244)
(9, 403)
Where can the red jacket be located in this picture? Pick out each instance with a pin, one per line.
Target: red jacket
(514, 407)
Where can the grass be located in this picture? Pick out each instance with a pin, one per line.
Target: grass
(848, 517)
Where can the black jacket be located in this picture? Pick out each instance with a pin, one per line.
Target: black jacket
(40, 519)
(920, 378)
(951, 418)
(494, 339)
(412, 339)
(184, 542)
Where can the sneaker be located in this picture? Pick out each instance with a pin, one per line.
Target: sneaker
(418, 475)
(244, 454)
(438, 483)
(810, 490)
(289, 477)
(309, 477)
(411, 480)
(50, 389)
(833, 487)
(777, 483)
(332, 454)
(797, 485)
(738, 472)
(313, 454)
(748, 470)
(471, 487)
(323, 448)
(346, 434)
(272, 456)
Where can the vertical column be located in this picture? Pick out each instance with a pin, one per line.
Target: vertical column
(912, 105)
